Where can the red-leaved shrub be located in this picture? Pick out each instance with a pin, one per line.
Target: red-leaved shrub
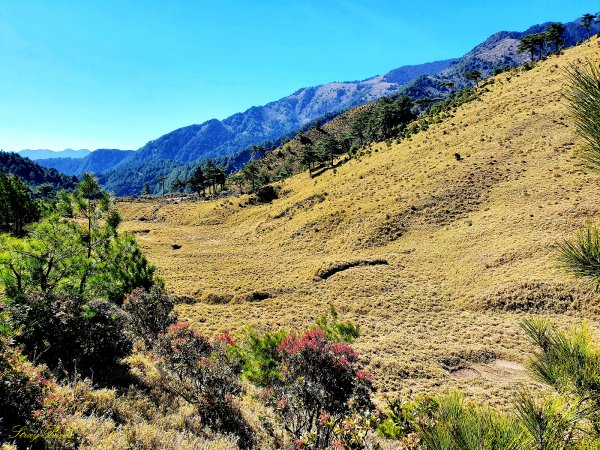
(321, 385)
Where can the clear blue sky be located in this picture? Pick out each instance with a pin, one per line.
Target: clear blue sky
(108, 73)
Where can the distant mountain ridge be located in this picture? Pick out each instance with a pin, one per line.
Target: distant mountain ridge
(34, 155)
(97, 161)
(259, 124)
(33, 173)
(497, 51)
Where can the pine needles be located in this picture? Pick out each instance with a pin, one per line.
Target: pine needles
(584, 104)
(581, 256)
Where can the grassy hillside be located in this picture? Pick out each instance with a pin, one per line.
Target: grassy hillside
(470, 244)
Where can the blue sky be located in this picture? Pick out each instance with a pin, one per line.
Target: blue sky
(104, 73)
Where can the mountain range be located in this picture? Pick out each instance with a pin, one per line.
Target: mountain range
(97, 161)
(33, 173)
(34, 155)
(126, 173)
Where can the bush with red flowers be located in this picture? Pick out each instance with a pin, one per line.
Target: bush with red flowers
(321, 385)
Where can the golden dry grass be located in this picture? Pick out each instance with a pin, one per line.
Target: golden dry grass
(470, 244)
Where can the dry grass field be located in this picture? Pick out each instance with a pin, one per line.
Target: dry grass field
(470, 244)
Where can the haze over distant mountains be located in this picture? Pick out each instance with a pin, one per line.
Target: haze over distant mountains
(97, 161)
(126, 173)
(34, 155)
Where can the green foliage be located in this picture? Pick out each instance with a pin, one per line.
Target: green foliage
(17, 208)
(56, 257)
(387, 119)
(567, 363)
(51, 258)
(555, 35)
(33, 174)
(532, 43)
(119, 267)
(584, 102)
(581, 256)
(260, 356)
(310, 156)
(197, 181)
(72, 335)
(460, 425)
(547, 421)
(473, 75)
(251, 172)
(571, 365)
(586, 22)
(338, 331)
(403, 419)
(145, 189)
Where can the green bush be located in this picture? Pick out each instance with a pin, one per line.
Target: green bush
(401, 420)
(260, 357)
(73, 336)
(338, 331)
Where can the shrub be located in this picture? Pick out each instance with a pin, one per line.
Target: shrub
(23, 388)
(119, 267)
(206, 375)
(321, 385)
(338, 331)
(568, 419)
(458, 424)
(72, 336)
(151, 312)
(261, 358)
(403, 420)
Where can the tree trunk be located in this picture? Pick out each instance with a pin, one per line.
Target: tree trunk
(89, 214)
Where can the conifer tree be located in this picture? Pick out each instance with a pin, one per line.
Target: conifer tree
(586, 23)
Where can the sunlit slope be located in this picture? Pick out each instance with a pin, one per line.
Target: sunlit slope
(470, 243)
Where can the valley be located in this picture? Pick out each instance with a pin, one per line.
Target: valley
(470, 243)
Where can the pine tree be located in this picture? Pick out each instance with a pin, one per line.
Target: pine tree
(586, 23)
(555, 34)
(197, 181)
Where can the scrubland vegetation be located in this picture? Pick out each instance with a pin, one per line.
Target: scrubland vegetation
(419, 296)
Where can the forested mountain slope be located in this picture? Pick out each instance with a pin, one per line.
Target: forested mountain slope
(97, 161)
(32, 173)
(216, 138)
(449, 253)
